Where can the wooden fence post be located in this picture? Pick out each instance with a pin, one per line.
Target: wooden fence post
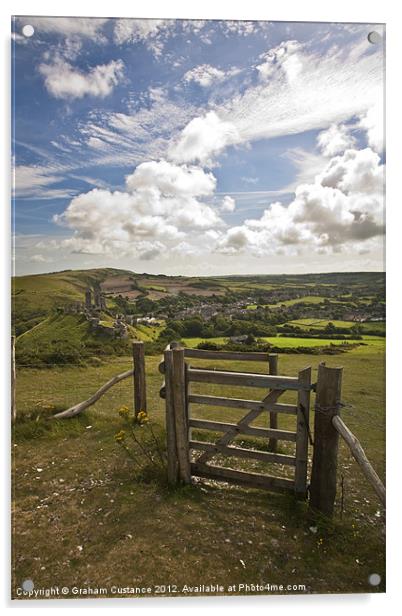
(326, 439)
(180, 414)
(140, 391)
(13, 379)
(273, 417)
(303, 411)
(172, 462)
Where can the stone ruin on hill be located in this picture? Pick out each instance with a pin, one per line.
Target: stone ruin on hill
(92, 313)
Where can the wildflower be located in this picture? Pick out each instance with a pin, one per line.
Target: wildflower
(120, 436)
(142, 417)
(124, 411)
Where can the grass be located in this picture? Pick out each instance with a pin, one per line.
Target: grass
(282, 341)
(81, 517)
(307, 299)
(378, 326)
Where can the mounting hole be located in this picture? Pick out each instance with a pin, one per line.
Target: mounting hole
(374, 37)
(374, 579)
(28, 585)
(28, 30)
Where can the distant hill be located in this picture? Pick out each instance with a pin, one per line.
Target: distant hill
(49, 330)
(67, 339)
(34, 297)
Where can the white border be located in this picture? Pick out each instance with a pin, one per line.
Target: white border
(286, 10)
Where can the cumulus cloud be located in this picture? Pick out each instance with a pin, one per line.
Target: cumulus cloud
(62, 80)
(162, 204)
(204, 75)
(335, 139)
(373, 123)
(343, 207)
(228, 204)
(356, 171)
(203, 137)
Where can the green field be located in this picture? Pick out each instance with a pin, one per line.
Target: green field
(283, 341)
(378, 326)
(81, 513)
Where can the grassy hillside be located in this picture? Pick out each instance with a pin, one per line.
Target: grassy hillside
(34, 297)
(66, 339)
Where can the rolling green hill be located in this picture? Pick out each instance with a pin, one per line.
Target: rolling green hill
(34, 297)
(67, 339)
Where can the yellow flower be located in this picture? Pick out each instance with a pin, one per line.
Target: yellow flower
(124, 411)
(142, 417)
(120, 436)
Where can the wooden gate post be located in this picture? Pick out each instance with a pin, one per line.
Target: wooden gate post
(13, 397)
(179, 386)
(303, 412)
(326, 438)
(172, 461)
(140, 391)
(273, 417)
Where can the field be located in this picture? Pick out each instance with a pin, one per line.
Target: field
(308, 299)
(282, 341)
(76, 493)
(322, 323)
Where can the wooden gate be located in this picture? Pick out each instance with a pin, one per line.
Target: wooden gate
(180, 423)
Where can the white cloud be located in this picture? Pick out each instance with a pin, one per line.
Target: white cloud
(161, 204)
(38, 258)
(203, 137)
(33, 181)
(228, 204)
(285, 58)
(302, 91)
(152, 32)
(298, 91)
(241, 28)
(127, 138)
(307, 166)
(373, 123)
(343, 207)
(171, 180)
(335, 140)
(90, 28)
(204, 75)
(62, 80)
(355, 171)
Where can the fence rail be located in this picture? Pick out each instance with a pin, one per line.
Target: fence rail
(239, 403)
(139, 387)
(218, 426)
(360, 457)
(176, 391)
(228, 355)
(253, 480)
(244, 379)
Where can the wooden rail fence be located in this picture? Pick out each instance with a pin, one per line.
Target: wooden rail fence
(179, 422)
(179, 375)
(328, 426)
(139, 386)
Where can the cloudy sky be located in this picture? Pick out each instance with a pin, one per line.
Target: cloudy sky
(197, 147)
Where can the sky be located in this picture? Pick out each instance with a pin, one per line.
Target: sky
(197, 147)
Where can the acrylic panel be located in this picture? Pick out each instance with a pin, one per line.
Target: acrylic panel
(198, 308)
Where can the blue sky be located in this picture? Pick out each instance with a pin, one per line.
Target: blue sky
(197, 147)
